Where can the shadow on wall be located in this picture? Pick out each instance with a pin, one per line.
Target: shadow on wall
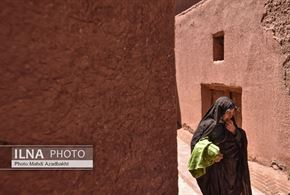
(181, 5)
(178, 112)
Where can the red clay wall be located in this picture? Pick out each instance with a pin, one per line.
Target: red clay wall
(253, 60)
(276, 20)
(91, 72)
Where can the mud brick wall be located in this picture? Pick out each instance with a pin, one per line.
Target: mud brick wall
(276, 19)
(91, 72)
(253, 60)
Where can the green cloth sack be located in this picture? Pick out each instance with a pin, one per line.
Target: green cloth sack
(202, 156)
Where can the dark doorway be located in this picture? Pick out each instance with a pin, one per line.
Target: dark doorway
(211, 92)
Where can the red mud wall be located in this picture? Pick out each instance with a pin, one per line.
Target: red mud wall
(91, 72)
(253, 60)
(277, 21)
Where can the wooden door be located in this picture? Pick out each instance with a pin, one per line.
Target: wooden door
(210, 93)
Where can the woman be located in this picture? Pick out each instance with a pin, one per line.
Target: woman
(230, 174)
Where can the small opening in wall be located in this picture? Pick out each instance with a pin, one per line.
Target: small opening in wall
(218, 46)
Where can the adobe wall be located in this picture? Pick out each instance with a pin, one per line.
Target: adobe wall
(253, 61)
(91, 72)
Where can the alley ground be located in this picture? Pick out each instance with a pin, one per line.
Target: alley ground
(265, 180)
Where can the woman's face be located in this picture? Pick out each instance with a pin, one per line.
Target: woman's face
(229, 114)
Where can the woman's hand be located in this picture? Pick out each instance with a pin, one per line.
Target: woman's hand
(231, 126)
(219, 157)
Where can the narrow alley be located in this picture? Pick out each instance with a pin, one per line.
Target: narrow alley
(265, 180)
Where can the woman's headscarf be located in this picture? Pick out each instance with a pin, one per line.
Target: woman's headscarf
(212, 118)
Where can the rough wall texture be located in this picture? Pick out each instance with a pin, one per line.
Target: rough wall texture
(277, 20)
(252, 60)
(91, 72)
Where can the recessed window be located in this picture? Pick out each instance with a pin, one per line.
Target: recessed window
(218, 46)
